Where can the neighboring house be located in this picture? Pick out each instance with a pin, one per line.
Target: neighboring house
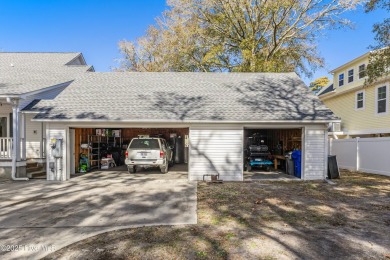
(216, 111)
(26, 78)
(364, 110)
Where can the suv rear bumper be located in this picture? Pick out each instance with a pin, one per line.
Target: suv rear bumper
(144, 162)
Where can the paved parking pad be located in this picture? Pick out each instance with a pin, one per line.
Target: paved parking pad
(51, 215)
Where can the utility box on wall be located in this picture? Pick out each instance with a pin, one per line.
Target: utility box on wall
(56, 162)
(56, 146)
(56, 159)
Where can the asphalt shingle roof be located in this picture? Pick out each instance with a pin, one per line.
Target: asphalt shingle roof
(185, 97)
(22, 73)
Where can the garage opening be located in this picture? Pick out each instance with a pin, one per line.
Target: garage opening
(272, 153)
(104, 149)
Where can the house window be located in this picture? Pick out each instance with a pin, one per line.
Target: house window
(381, 100)
(341, 79)
(362, 71)
(360, 100)
(350, 76)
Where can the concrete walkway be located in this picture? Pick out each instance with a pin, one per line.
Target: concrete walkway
(40, 217)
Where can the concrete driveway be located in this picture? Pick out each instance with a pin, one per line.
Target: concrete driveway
(38, 217)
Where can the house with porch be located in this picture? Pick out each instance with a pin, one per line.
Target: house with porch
(26, 78)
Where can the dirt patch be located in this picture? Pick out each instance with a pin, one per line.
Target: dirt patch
(264, 220)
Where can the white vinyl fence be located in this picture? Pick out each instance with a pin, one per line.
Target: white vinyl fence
(371, 155)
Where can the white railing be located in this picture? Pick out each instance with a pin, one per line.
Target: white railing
(5, 147)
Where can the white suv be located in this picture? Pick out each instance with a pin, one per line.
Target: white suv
(148, 152)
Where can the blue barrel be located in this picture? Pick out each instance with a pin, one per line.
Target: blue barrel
(296, 156)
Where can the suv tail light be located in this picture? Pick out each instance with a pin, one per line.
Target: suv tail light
(161, 154)
(127, 154)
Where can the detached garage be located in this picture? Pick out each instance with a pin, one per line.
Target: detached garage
(217, 111)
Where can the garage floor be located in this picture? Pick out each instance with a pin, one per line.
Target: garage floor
(47, 213)
(271, 175)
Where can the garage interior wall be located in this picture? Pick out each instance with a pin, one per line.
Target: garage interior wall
(280, 143)
(81, 136)
(290, 138)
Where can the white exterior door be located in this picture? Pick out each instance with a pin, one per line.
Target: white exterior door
(216, 151)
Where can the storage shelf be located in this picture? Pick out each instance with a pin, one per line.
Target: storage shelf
(95, 142)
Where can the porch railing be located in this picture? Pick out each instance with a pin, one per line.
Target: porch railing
(5, 148)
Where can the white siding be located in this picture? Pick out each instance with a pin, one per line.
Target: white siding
(54, 131)
(216, 151)
(315, 153)
(5, 108)
(33, 137)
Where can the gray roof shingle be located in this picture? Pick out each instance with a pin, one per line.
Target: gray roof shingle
(185, 97)
(22, 73)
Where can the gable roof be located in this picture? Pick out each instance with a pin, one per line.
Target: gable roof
(22, 73)
(325, 90)
(184, 97)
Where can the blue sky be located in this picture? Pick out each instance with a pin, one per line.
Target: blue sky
(94, 28)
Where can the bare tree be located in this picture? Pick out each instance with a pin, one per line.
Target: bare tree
(236, 35)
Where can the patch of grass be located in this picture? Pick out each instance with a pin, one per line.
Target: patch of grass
(230, 235)
(216, 220)
(269, 258)
(201, 254)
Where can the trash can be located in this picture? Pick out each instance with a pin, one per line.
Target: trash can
(289, 164)
(297, 158)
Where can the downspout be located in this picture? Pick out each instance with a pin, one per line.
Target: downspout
(15, 127)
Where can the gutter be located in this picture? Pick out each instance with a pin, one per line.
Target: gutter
(182, 121)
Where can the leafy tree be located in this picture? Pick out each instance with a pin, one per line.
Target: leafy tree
(236, 35)
(319, 83)
(379, 59)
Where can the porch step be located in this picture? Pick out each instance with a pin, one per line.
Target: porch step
(33, 167)
(31, 164)
(36, 175)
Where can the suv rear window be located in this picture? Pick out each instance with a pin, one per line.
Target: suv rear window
(144, 144)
